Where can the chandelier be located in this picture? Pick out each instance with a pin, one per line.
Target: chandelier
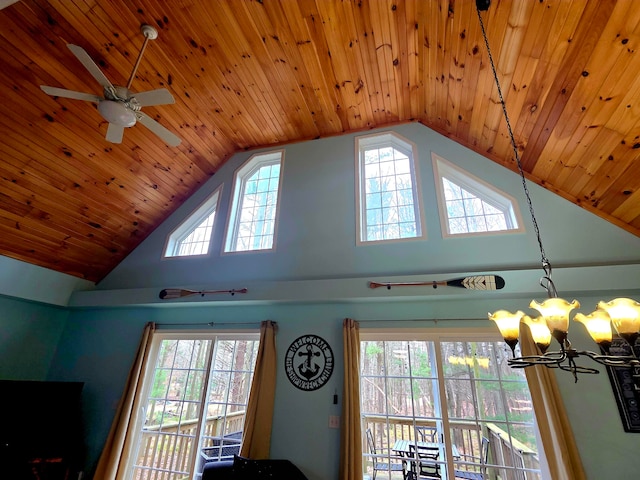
(553, 319)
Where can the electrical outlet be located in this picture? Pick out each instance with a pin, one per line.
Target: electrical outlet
(334, 421)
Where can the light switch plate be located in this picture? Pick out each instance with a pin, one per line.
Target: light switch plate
(334, 421)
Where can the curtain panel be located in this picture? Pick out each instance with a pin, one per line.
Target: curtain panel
(118, 447)
(558, 442)
(256, 439)
(351, 427)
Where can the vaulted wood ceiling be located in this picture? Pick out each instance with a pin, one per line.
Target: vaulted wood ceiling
(255, 73)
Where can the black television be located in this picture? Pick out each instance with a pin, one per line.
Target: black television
(41, 432)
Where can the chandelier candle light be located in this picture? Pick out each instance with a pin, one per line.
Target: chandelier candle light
(553, 320)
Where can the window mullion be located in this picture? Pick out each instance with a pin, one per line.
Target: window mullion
(232, 367)
(386, 396)
(184, 401)
(444, 412)
(202, 414)
(474, 390)
(413, 404)
(507, 417)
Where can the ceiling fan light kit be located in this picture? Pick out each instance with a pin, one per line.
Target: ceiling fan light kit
(120, 107)
(116, 112)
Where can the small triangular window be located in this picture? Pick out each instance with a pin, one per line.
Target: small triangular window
(193, 236)
(468, 205)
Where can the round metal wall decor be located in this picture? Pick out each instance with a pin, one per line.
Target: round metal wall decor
(309, 362)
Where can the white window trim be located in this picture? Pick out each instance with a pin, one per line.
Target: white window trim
(480, 188)
(252, 163)
(406, 146)
(480, 334)
(148, 379)
(192, 221)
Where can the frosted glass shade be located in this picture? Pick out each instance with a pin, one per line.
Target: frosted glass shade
(116, 113)
(555, 312)
(625, 316)
(598, 324)
(509, 325)
(539, 331)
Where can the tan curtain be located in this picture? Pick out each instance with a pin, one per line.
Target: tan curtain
(557, 437)
(118, 446)
(351, 428)
(256, 439)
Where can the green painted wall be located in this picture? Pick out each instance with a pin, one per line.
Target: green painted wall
(29, 335)
(98, 347)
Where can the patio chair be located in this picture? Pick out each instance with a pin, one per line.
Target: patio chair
(381, 466)
(482, 460)
(425, 464)
(426, 434)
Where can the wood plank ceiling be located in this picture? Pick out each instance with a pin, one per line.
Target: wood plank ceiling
(255, 73)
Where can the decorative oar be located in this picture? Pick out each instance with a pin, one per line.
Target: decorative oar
(173, 293)
(475, 282)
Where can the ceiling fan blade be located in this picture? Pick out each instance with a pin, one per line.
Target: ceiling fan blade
(114, 133)
(160, 96)
(61, 92)
(169, 137)
(90, 65)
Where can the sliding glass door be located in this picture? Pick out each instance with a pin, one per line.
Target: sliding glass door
(195, 403)
(435, 407)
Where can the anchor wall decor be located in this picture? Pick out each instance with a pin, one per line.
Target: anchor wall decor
(309, 362)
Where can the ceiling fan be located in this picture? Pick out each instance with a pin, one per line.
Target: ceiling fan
(119, 106)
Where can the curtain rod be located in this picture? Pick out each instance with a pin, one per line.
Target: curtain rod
(209, 324)
(434, 320)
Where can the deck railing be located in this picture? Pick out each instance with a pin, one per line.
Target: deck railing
(168, 448)
(504, 456)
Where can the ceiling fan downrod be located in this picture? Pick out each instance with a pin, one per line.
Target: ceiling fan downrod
(150, 33)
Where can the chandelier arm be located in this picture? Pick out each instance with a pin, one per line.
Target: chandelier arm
(548, 285)
(564, 360)
(630, 361)
(549, 358)
(575, 369)
(572, 367)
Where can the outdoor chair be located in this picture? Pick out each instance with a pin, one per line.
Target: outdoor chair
(220, 449)
(482, 460)
(426, 434)
(379, 465)
(425, 463)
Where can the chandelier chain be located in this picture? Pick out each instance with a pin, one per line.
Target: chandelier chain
(622, 313)
(546, 281)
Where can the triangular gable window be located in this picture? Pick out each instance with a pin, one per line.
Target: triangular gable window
(468, 205)
(193, 236)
